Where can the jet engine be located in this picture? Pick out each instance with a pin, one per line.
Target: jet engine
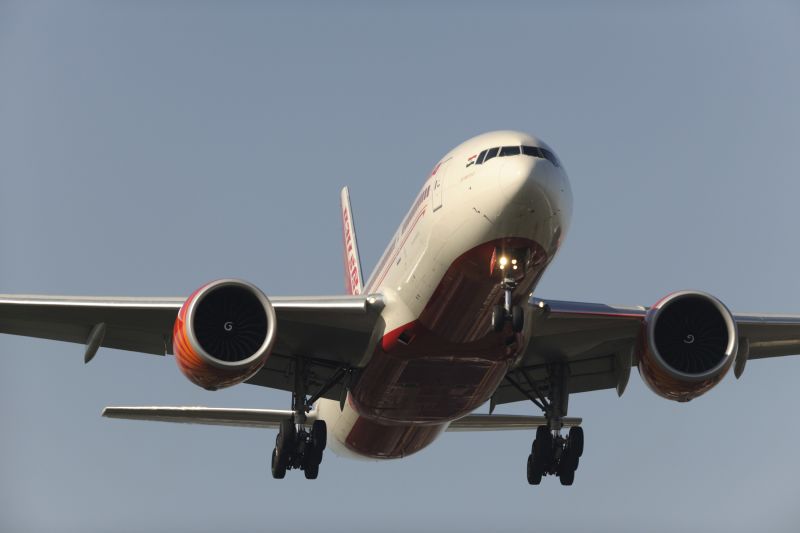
(223, 334)
(688, 345)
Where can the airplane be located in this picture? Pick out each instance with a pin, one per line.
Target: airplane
(446, 322)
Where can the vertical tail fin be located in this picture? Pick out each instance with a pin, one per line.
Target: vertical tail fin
(353, 281)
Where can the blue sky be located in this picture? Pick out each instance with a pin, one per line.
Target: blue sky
(146, 148)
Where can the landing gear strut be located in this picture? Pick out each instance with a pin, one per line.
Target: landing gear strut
(551, 452)
(509, 264)
(507, 311)
(296, 446)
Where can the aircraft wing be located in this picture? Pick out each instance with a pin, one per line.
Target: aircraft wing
(597, 342)
(331, 333)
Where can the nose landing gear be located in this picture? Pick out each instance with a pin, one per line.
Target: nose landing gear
(511, 266)
(501, 313)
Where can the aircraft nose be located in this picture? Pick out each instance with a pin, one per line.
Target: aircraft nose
(537, 185)
(522, 179)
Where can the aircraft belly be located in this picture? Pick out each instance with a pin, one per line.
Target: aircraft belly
(447, 361)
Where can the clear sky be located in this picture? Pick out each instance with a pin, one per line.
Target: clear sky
(149, 147)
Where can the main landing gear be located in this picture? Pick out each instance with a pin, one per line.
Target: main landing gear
(296, 446)
(551, 453)
(555, 455)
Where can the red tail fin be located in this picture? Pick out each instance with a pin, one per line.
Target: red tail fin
(353, 281)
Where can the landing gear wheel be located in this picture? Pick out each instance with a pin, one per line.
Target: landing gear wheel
(278, 466)
(498, 318)
(319, 435)
(311, 470)
(567, 477)
(534, 473)
(517, 319)
(575, 440)
(286, 439)
(542, 449)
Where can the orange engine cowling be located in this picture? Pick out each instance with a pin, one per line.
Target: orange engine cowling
(688, 345)
(223, 334)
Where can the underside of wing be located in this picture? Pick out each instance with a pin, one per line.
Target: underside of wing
(769, 335)
(329, 336)
(136, 324)
(597, 344)
(594, 341)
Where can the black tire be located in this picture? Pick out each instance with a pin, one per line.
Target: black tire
(498, 318)
(575, 440)
(311, 470)
(534, 474)
(286, 440)
(517, 319)
(543, 449)
(319, 435)
(313, 456)
(569, 461)
(543, 432)
(278, 467)
(567, 477)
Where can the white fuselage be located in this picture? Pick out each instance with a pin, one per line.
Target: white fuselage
(425, 273)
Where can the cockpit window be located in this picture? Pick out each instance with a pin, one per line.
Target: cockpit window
(509, 150)
(532, 150)
(535, 151)
(550, 156)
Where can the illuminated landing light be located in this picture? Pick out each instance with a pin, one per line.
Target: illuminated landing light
(515, 267)
(514, 262)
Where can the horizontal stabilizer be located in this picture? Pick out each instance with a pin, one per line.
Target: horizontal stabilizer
(505, 422)
(212, 416)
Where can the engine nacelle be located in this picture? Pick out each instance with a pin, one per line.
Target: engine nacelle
(224, 333)
(688, 344)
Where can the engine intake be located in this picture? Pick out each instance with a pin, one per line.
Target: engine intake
(690, 341)
(224, 333)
